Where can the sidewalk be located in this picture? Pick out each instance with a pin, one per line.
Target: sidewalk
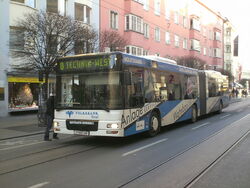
(18, 125)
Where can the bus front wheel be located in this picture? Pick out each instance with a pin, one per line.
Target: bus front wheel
(154, 126)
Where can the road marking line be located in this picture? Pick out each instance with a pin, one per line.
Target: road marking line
(239, 120)
(14, 147)
(200, 125)
(39, 185)
(225, 116)
(144, 147)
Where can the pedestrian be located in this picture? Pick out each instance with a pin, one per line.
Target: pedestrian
(50, 116)
(237, 93)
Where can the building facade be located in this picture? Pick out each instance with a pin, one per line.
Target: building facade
(151, 27)
(231, 59)
(166, 28)
(19, 91)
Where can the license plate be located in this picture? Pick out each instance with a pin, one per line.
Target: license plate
(84, 133)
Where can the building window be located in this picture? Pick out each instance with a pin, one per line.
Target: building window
(228, 32)
(19, 1)
(185, 43)
(217, 35)
(205, 51)
(52, 6)
(157, 34)
(195, 45)
(167, 38)
(157, 7)
(134, 50)
(139, 51)
(145, 52)
(80, 47)
(114, 20)
(217, 52)
(228, 49)
(82, 13)
(167, 11)
(146, 4)
(176, 40)
(176, 17)
(146, 30)
(31, 3)
(185, 22)
(195, 24)
(134, 23)
(17, 40)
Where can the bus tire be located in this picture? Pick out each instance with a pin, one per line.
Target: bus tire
(154, 124)
(194, 114)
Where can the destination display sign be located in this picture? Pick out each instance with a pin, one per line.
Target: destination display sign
(98, 63)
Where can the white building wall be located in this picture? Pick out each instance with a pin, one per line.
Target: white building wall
(4, 50)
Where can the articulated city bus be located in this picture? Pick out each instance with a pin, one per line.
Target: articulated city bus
(117, 94)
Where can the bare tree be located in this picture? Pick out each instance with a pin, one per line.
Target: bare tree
(48, 36)
(113, 40)
(192, 62)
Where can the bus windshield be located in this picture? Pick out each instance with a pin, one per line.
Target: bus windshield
(98, 90)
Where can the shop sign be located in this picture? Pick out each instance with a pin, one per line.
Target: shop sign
(24, 79)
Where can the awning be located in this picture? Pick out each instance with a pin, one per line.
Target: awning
(238, 85)
(23, 79)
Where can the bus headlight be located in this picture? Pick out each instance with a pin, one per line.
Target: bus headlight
(113, 125)
(56, 124)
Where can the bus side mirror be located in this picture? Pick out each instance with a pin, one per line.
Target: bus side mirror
(127, 78)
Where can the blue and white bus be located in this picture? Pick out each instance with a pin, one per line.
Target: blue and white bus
(116, 94)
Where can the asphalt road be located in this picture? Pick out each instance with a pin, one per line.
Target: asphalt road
(181, 155)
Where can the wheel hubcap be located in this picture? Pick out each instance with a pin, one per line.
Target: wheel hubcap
(154, 123)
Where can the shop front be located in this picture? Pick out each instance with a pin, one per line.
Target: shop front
(23, 93)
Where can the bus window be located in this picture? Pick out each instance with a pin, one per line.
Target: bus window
(135, 91)
(212, 87)
(190, 87)
(149, 86)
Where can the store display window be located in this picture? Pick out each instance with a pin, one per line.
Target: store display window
(23, 96)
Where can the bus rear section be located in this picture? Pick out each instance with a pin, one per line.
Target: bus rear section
(214, 95)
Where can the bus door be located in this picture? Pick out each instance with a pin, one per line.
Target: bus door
(203, 93)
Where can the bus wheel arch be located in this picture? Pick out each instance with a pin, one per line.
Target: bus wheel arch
(154, 123)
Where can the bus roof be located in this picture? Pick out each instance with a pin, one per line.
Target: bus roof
(163, 63)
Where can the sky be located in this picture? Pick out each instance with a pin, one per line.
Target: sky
(238, 13)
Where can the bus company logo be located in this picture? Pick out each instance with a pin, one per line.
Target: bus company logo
(69, 113)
